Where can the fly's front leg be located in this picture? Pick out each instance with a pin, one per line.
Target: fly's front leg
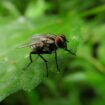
(45, 63)
(56, 61)
(70, 52)
(30, 57)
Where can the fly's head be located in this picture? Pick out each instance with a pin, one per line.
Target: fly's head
(61, 42)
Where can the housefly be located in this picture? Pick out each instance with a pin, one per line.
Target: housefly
(46, 44)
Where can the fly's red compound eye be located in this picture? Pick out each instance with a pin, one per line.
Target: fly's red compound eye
(59, 41)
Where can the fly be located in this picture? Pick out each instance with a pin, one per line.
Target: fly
(46, 44)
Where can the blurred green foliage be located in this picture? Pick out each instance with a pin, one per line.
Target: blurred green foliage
(81, 80)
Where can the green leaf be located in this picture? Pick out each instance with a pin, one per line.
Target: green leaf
(12, 60)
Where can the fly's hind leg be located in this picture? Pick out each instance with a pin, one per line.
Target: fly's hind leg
(45, 63)
(30, 57)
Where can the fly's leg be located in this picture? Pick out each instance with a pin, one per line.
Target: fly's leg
(30, 57)
(45, 63)
(70, 52)
(56, 61)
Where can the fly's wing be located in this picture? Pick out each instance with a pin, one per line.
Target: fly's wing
(24, 45)
(37, 38)
(41, 36)
(29, 43)
(48, 38)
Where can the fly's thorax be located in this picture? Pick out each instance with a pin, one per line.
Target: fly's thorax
(49, 45)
